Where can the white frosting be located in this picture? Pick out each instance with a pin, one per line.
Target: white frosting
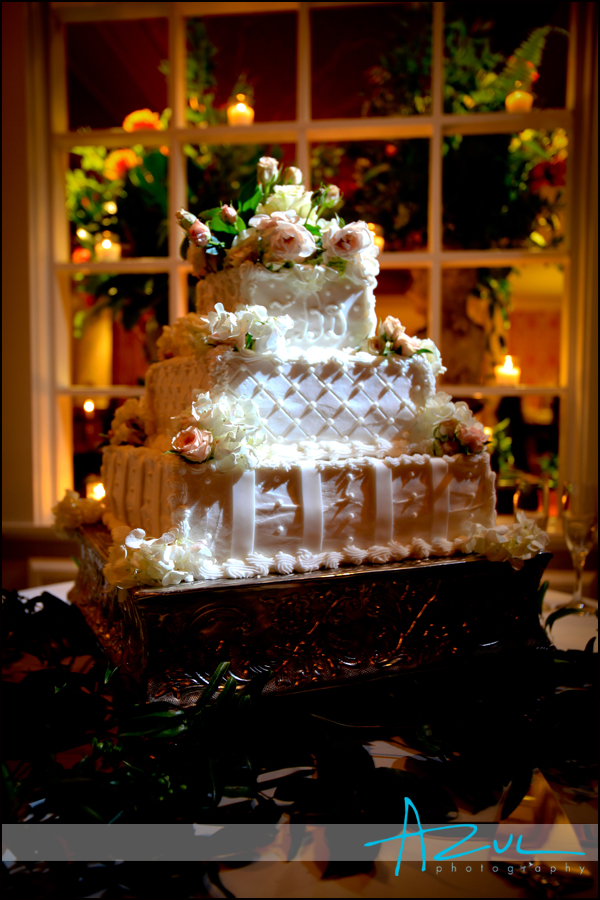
(292, 517)
(329, 311)
(320, 396)
(242, 507)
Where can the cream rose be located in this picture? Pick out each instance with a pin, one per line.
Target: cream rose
(223, 327)
(347, 241)
(266, 169)
(406, 345)
(193, 444)
(292, 175)
(287, 197)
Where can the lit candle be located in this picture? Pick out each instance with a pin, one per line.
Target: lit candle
(107, 251)
(507, 373)
(94, 488)
(88, 407)
(519, 102)
(239, 113)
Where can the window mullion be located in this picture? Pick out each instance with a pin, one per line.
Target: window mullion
(435, 177)
(303, 90)
(177, 183)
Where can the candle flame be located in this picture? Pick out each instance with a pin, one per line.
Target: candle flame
(89, 406)
(106, 243)
(241, 107)
(98, 491)
(508, 364)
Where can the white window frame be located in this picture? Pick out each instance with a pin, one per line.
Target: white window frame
(53, 392)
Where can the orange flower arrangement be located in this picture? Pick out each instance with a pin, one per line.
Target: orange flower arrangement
(119, 162)
(142, 119)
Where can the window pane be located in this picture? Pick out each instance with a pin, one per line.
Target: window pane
(113, 69)
(385, 183)
(505, 190)
(371, 60)
(489, 314)
(523, 434)
(120, 197)
(404, 293)
(92, 417)
(254, 55)
(117, 320)
(486, 54)
(217, 172)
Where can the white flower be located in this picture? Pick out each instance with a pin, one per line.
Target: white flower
(288, 241)
(224, 327)
(266, 169)
(127, 426)
(293, 175)
(517, 542)
(185, 338)
(73, 511)
(287, 197)
(439, 410)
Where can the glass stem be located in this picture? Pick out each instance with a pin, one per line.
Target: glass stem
(578, 564)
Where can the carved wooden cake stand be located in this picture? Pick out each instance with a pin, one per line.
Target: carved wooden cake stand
(312, 630)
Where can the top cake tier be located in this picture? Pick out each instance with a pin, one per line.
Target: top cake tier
(327, 310)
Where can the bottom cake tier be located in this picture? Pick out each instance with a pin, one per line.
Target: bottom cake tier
(304, 631)
(300, 516)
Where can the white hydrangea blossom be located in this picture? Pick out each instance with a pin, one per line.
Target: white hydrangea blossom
(288, 196)
(518, 542)
(184, 338)
(128, 424)
(235, 426)
(73, 511)
(170, 559)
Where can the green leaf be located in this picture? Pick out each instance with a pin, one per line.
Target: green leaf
(559, 614)
(240, 225)
(218, 224)
(540, 596)
(209, 213)
(209, 690)
(313, 229)
(422, 350)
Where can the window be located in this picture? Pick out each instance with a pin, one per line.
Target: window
(421, 264)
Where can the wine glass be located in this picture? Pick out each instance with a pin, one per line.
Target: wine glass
(579, 513)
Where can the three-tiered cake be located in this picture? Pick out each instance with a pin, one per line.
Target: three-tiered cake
(284, 430)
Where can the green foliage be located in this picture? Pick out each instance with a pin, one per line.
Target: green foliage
(501, 447)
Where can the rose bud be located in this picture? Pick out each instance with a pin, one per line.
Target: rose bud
(199, 234)
(267, 169)
(292, 175)
(228, 214)
(185, 219)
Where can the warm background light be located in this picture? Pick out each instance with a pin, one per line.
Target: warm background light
(94, 488)
(518, 102)
(89, 406)
(508, 372)
(240, 113)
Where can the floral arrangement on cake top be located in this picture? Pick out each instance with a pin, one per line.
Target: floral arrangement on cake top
(281, 225)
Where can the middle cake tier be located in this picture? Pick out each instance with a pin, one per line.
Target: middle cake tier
(339, 396)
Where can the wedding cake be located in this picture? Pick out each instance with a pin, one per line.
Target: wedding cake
(284, 429)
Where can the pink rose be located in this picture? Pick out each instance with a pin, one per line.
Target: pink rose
(193, 444)
(348, 241)
(449, 448)
(263, 223)
(266, 169)
(228, 214)
(406, 345)
(473, 438)
(391, 328)
(447, 429)
(289, 241)
(199, 233)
